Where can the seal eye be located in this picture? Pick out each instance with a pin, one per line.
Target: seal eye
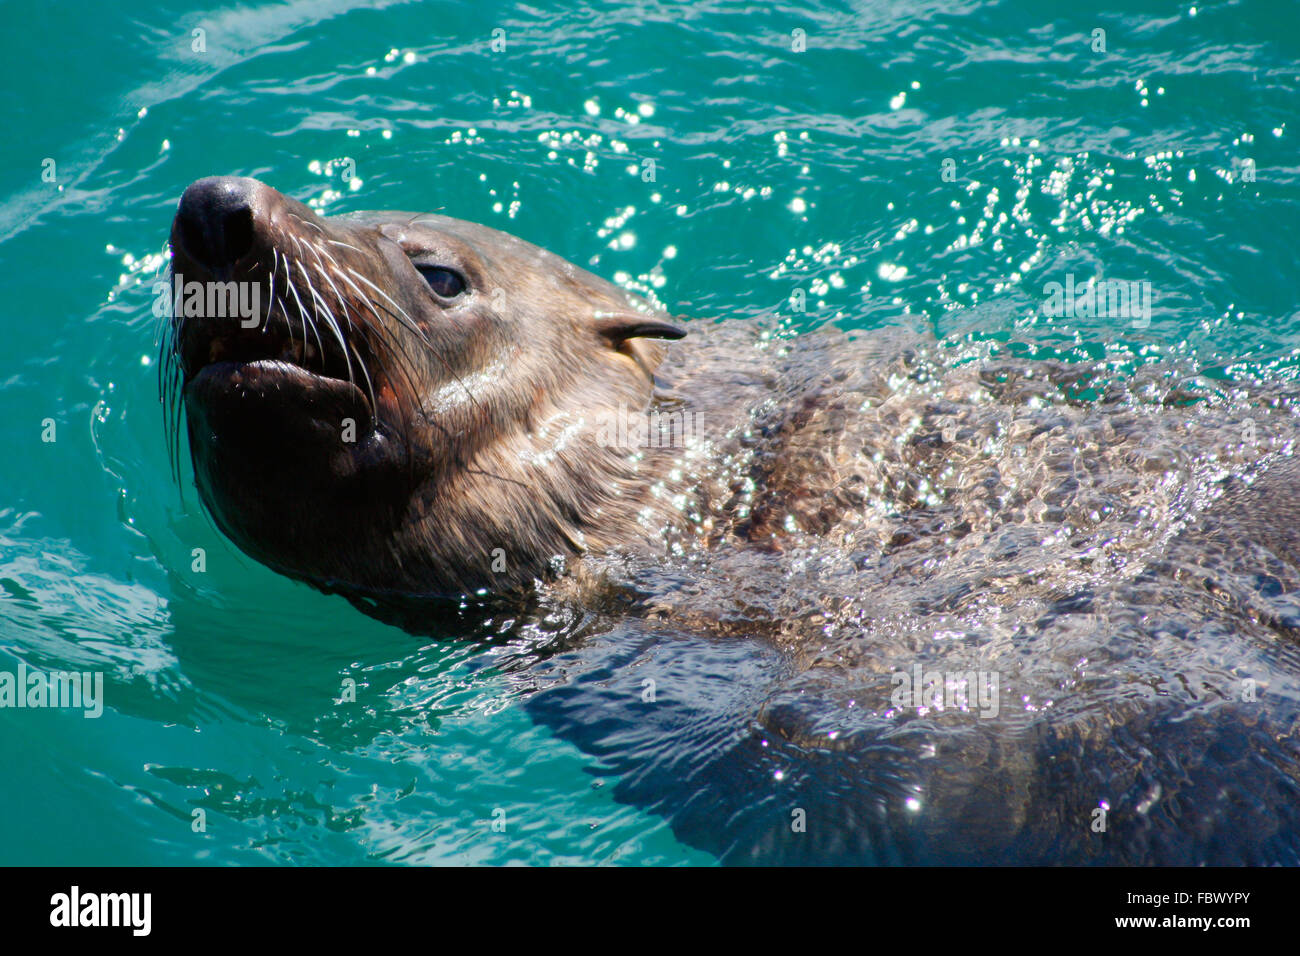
(445, 283)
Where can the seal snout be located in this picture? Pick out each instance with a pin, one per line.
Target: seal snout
(215, 222)
(232, 271)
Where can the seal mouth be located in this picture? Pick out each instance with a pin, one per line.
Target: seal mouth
(273, 357)
(269, 347)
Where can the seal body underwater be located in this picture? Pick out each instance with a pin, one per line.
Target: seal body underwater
(953, 605)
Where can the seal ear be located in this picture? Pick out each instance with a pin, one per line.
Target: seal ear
(620, 327)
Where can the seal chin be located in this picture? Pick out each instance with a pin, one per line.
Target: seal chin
(279, 450)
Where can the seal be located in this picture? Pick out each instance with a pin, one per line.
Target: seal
(958, 600)
(414, 407)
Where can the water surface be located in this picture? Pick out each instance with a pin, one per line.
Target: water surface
(773, 171)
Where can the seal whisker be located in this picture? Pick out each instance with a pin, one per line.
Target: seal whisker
(171, 399)
(339, 297)
(402, 360)
(442, 361)
(179, 321)
(492, 474)
(333, 324)
(352, 327)
(410, 323)
(170, 376)
(401, 314)
(302, 311)
(370, 385)
(324, 272)
(313, 319)
(395, 347)
(399, 354)
(306, 222)
(271, 296)
(164, 324)
(288, 282)
(335, 242)
(326, 254)
(280, 301)
(379, 327)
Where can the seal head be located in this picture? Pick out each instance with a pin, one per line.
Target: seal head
(401, 404)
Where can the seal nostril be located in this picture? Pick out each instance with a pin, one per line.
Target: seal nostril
(191, 236)
(237, 230)
(215, 221)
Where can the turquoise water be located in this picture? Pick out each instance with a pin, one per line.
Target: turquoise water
(1168, 157)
